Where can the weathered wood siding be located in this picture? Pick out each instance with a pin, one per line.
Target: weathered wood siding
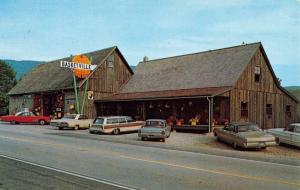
(105, 81)
(258, 94)
(16, 103)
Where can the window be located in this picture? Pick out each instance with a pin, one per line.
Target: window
(110, 61)
(244, 109)
(269, 109)
(82, 117)
(122, 120)
(112, 121)
(288, 110)
(129, 119)
(257, 74)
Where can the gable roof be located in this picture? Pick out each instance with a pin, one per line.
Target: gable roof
(51, 77)
(207, 73)
(215, 68)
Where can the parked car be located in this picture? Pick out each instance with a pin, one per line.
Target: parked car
(25, 117)
(289, 135)
(155, 129)
(244, 135)
(115, 125)
(74, 121)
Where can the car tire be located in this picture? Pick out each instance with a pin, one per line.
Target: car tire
(76, 127)
(163, 140)
(218, 139)
(42, 122)
(116, 131)
(143, 138)
(60, 128)
(277, 141)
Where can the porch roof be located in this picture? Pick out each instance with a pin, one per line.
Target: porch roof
(168, 94)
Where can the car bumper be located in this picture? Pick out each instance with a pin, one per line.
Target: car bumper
(60, 125)
(96, 130)
(259, 144)
(152, 135)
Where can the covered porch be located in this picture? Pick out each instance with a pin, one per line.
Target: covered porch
(199, 113)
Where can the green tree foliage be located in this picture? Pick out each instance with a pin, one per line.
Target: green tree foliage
(7, 81)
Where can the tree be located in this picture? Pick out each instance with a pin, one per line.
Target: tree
(7, 81)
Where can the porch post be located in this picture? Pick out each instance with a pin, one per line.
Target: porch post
(210, 113)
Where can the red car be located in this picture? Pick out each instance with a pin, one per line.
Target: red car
(25, 117)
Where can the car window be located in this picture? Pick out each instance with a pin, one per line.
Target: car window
(297, 129)
(291, 128)
(129, 119)
(83, 117)
(112, 121)
(248, 128)
(154, 124)
(99, 120)
(26, 114)
(122, 120)
(73, 116)
(19, 113)
(231, 128)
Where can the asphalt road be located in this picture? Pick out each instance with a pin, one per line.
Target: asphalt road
(129, 165)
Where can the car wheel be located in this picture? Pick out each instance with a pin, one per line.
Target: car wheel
(277, 141)
(143, 138)
(163, 140)
(116, 131)
(60, 128)
(218, 139)
(42, 122)
(76, 127)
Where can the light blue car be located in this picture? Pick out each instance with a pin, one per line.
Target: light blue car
(289, 135)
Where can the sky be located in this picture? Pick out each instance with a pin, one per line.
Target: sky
(46, 30)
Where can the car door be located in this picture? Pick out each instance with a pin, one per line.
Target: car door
(123, 126)
(19, 118)
(286, 135)
(229, 134)
(83, 121)
(295, 136)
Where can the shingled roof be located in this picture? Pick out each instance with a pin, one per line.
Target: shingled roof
(51, 77)
(215, 68)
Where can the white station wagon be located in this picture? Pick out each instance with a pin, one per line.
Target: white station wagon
(289, 135)
(115, 124)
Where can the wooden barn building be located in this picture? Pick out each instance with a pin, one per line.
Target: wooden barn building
(193, 91)
(206, 88)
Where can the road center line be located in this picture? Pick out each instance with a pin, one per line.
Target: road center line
(261, 178)
(104, 181)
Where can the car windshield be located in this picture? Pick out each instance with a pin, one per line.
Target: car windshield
(99, 121)
(248, 128)
(69, 116)
(19, 113)
(154, 124)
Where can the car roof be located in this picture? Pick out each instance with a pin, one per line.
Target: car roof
(162, 120)
(111, 117)
(239, 123)
(295, 124)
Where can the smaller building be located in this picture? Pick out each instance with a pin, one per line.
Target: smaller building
(49, 90)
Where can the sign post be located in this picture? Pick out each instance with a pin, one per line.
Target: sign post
(81, 67)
